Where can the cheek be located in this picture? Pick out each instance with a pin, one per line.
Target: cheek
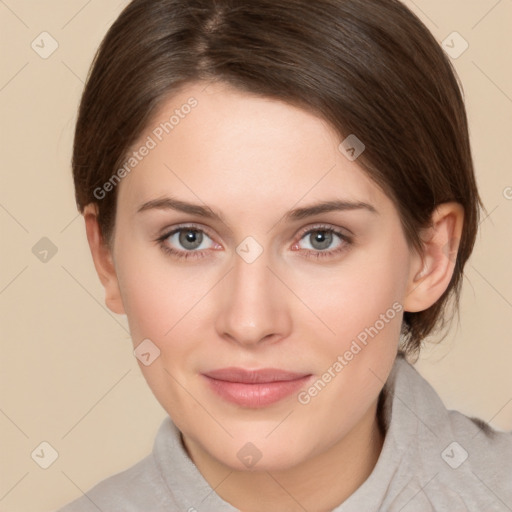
(166, 303)
(159, 304)
(362, 305)
(154, 295)
(362, 299)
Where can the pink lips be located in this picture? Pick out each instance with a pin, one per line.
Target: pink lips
(255, 388)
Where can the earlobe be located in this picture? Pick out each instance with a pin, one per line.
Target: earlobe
(103, 261)
(432, 270)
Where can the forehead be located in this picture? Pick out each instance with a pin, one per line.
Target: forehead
(222, 145)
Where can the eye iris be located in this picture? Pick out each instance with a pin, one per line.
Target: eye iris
(323, 238)
(190, 236)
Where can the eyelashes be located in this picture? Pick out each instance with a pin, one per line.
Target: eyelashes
(182, 254)
(325, 235)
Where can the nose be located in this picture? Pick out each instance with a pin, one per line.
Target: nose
(253, 304)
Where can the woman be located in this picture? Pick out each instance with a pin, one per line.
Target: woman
(280, 197)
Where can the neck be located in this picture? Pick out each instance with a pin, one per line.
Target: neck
(320, 483)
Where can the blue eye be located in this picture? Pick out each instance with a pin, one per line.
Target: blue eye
(321, 238)
(193, 242)
(189, 238)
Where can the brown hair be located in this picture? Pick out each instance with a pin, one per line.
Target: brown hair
(368, 67)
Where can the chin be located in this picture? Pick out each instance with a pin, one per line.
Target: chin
(261, 452)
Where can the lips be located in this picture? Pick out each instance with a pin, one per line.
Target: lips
(254, 388)
(253, 376)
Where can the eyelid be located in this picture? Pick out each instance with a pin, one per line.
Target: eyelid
(167, 232)
(324, 226)
(347, 239)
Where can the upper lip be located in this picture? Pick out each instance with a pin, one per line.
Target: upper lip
(246, 376)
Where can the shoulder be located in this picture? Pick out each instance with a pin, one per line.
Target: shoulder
(138, 488)
(450, 457)
(484, 451)
(471, 466)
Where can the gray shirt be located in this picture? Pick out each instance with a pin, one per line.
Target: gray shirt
(432, 460)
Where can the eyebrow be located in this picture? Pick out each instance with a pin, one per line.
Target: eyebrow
(169, 203)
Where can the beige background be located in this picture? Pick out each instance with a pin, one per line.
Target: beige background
(68, 375)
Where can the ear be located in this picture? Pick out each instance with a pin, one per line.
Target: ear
(432, 270)
(103, 260)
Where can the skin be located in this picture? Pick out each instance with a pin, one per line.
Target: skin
(252, 160)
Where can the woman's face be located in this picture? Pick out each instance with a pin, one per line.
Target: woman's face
(260, 276)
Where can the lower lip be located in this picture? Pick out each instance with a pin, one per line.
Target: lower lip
(256, 395)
